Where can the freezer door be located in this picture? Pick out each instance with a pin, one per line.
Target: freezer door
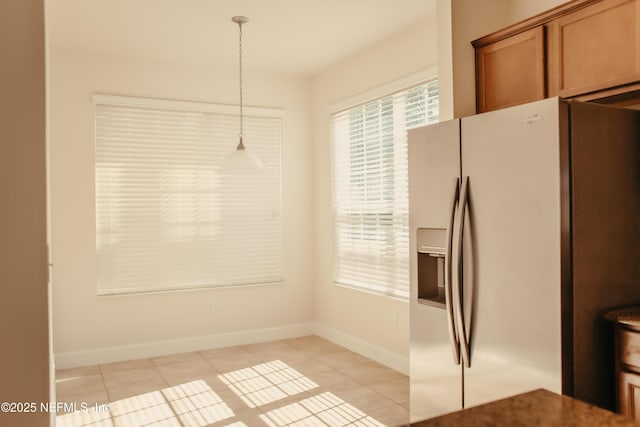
(434, 167)
(511, 251)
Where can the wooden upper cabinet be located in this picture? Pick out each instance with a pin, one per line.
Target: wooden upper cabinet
(597, 47)
(511, 71)
(585, 49)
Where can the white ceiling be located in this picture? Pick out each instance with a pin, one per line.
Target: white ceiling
(296, 36)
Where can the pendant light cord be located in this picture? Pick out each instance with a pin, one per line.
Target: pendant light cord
(241, 144)
(241, 160)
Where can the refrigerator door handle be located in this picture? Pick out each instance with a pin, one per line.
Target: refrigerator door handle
(448, 294)
(464, 341)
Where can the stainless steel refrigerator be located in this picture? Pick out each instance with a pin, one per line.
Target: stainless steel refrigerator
(524, 228)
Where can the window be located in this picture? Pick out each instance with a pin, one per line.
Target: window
(165, 218)
(370, 188)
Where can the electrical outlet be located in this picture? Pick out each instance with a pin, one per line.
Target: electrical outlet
(211, 303)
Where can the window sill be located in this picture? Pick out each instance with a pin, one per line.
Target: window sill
(184, 290)
(370, 292)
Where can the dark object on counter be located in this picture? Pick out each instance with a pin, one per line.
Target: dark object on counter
(535, 408)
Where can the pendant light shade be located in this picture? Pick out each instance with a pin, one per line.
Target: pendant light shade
(241, 160)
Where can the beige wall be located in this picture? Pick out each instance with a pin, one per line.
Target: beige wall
(24, 358)
(460, 22)
(88, 329)
(380, 322)
(523, 9)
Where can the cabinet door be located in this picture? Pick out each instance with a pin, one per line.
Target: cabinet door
(597, 47)
(629, 394)
(511, 71)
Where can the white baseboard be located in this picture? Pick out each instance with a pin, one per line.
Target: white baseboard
(388, 358)
(161, 348)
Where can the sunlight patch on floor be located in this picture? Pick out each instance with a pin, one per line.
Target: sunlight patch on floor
(324, 409)
(195, 404)
(266, 383)
(192, 404)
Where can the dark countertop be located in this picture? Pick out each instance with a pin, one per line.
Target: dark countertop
(629, 316)
(535, 408)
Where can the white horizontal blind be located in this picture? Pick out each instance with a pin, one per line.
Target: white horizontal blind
(165, 218)
(370, 188)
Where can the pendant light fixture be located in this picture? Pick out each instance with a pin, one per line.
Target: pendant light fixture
(241, 160)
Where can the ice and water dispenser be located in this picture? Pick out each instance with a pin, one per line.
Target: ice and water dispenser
(431, 245)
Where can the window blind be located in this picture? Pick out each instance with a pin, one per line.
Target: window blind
(165, 218)
(370, 188)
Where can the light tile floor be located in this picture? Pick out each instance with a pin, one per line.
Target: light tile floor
(305, 381)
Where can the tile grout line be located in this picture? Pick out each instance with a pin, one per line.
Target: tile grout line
(104, 383)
